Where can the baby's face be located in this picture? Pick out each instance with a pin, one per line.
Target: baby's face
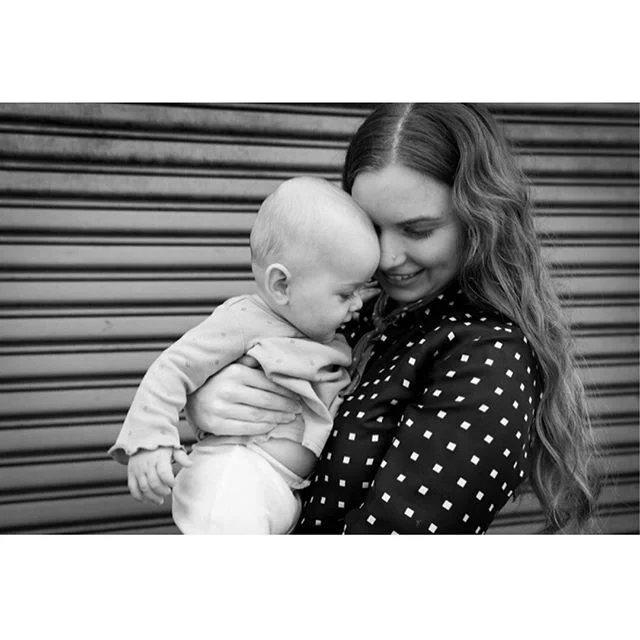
(328, 295)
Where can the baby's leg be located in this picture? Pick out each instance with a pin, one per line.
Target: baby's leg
(230, 489)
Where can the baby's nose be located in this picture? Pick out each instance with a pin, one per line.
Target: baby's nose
(356, 305)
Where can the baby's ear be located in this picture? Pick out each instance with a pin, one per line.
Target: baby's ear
(277, 282)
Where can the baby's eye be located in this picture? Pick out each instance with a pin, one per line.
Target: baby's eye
(344, 296)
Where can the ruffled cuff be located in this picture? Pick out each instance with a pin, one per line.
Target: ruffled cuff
(122, 452)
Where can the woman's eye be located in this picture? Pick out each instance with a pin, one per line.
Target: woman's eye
(416, 232)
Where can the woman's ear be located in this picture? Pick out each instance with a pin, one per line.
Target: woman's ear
(277, 282)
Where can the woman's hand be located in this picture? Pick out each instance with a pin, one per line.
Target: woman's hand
(241, 399)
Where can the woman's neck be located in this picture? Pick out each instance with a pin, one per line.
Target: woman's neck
(392, 305)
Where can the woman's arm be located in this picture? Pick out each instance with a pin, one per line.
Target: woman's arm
(459, 451)
(241, 399)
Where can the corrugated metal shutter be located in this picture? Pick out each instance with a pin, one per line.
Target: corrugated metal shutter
(123, 225)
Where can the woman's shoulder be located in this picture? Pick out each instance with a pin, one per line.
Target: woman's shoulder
(480, 324)
(484, 347)
(470, 330)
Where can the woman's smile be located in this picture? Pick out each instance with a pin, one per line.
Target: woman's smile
(401, 279)
(420, 239)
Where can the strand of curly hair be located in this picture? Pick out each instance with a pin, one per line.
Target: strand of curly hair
(502, 267)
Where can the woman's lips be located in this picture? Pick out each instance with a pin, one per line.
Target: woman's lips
(401, 278)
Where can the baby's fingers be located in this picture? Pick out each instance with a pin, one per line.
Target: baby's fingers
(148, 493)
(157, 484)
(181, 457)
(369, 292)
(165, 474)
(134, 490)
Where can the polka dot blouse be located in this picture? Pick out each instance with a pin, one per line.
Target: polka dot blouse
(433, 435)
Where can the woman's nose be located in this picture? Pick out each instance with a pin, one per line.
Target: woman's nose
(391, 252)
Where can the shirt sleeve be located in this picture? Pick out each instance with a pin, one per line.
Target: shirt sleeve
(152, 420)
(460, 450)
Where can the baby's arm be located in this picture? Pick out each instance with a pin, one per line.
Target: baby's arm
(152, 420)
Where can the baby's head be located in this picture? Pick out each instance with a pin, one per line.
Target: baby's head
(312, 250)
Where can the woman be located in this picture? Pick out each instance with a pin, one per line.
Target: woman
(464, 382)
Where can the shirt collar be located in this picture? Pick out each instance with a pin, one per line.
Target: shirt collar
(381, 319)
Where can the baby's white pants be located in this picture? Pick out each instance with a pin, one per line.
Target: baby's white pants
(235, 489)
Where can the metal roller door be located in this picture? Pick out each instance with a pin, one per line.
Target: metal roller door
(123, 225)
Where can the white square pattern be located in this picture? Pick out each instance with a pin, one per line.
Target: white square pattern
(462, 393)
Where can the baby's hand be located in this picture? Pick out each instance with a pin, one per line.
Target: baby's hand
(369, 290)
(150, 476)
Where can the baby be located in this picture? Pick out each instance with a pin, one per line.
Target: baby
(312, 251)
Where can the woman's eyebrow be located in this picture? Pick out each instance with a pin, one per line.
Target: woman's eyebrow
(422, 220)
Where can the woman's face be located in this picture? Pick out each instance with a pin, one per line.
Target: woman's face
(420, 237)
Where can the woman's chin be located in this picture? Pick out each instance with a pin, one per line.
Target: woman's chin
(406, 295)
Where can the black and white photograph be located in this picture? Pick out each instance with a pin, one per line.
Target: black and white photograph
(319, 320)
(381, 318)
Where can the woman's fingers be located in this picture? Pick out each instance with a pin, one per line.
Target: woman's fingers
(249, 361)
(238, 385)
(250, 399)
(257, 379)
(239, 396)
(254, 414)
(208, 414)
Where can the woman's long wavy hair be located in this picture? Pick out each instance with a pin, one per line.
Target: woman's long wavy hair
(502, 268)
